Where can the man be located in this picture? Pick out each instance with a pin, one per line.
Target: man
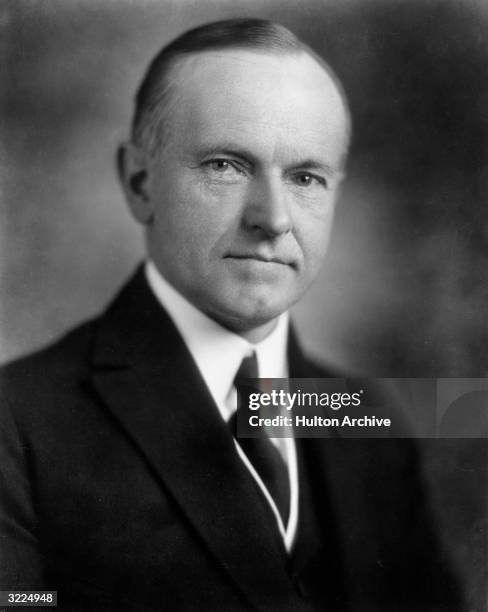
(123, 486)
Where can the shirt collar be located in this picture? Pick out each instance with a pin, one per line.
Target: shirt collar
(217, 351)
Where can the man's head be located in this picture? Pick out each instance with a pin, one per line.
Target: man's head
(238, 146)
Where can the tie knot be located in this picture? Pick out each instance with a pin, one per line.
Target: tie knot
(247, 369)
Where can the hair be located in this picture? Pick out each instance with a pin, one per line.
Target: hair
(153, 98)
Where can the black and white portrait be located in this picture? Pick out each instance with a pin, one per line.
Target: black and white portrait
(200, 194)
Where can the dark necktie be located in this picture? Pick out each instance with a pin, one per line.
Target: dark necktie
(261, 452)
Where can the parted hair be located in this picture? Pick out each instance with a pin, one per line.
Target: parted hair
(153, 98)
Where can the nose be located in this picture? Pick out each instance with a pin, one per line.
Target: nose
(266, 207)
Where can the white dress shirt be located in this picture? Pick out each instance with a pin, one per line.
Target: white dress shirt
(218, 354)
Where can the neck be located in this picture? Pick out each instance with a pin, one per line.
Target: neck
(255, 334)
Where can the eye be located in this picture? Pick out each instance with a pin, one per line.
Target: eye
(224, 170)
(224, 166)
(219, 165)
(305, 179)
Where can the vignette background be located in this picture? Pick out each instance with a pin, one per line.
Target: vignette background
(404, 289)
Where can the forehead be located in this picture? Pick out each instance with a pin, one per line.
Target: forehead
(264, 98)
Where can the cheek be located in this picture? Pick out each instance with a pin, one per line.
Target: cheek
(313, 235)
(181, 213)
(196, 220)
(212, 211)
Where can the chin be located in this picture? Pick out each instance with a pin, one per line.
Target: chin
(251, 315)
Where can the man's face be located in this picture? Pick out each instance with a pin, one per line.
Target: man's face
(242, 191)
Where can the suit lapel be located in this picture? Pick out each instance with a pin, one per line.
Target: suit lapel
(341, 486)
(149, 382)
(300, 366)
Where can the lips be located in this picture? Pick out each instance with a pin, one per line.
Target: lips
(260, 257)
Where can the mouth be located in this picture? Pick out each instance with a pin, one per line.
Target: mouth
(260, 258)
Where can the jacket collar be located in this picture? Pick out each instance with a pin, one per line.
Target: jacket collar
(149, 382)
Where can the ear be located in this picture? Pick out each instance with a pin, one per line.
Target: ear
(133, 170)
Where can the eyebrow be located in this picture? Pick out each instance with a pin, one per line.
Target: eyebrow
(228, 149)
(312, 164)
(233, 150)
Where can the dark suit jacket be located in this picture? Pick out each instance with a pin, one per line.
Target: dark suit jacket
(121, 486)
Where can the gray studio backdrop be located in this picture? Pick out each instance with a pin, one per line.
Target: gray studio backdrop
(404, 289)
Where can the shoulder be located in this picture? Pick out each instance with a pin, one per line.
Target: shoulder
(319, 369)
(58, 366)
(303, 365)
(31, 380)
(58, 357)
